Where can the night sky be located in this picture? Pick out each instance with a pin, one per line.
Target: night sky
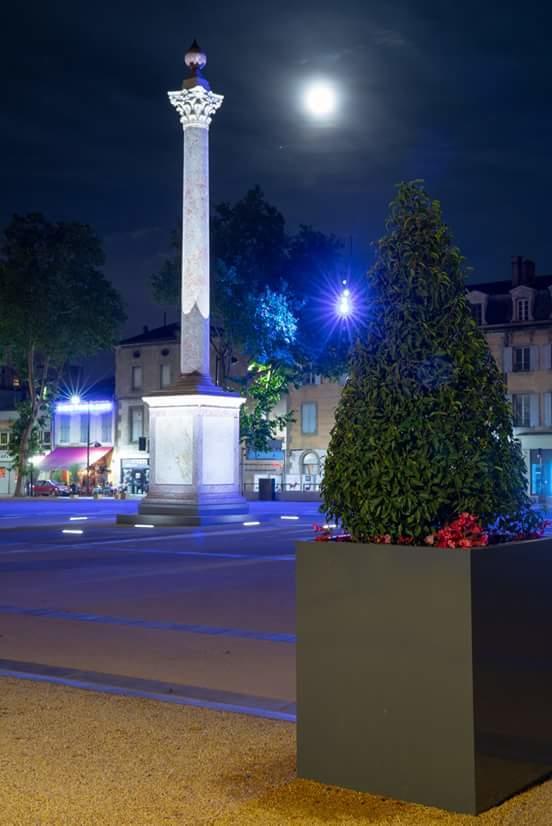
(457, 93)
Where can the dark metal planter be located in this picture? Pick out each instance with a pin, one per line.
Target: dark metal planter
(425, 674)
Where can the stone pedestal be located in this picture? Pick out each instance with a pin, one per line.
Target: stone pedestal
(195, 470)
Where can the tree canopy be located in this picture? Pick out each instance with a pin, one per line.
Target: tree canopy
(423, 431)
(56, 305)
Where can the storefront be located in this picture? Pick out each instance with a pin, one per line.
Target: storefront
(76, 465)
(135, 475)
(7, 475)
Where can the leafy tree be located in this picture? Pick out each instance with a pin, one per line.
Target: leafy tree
(250, 237)
(258, 424)
(314, 260)
(56, 305)
(423, 431)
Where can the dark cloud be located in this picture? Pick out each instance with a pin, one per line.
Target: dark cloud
(457, 94)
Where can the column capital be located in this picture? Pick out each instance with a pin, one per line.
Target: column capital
(196, 105)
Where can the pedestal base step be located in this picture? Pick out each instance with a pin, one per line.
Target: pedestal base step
(186, 514)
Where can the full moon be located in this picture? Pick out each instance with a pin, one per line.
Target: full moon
(320, 99)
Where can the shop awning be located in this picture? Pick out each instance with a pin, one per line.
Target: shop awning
(65, 457)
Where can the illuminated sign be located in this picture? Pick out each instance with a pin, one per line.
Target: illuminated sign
(84, 407)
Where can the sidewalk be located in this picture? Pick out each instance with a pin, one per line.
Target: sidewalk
(77, 758)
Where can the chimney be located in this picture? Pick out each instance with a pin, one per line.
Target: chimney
(517, 263)
(528, 272)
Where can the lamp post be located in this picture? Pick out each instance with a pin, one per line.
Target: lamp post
(88, 448)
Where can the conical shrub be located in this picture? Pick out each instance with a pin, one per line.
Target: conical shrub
(423, 430)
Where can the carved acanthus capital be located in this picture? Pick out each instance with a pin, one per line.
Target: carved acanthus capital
(196, 105)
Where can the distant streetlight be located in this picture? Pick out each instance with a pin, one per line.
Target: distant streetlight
(320, 99)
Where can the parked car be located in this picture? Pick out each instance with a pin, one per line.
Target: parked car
(46, 487)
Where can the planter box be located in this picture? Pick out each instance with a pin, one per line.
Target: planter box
(425, 674)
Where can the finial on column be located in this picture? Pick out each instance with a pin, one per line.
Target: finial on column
(195, 59)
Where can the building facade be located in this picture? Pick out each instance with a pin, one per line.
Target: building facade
(145, 364)
(515, 316)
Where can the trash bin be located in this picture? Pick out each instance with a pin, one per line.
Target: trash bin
(267, 489)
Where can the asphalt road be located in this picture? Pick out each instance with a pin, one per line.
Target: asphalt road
(202, 615)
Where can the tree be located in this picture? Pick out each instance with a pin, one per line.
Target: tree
(56, 305)
(314, 260)
(250, 237)
(258, 424)
(423, 430)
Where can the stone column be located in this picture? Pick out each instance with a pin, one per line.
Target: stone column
(193, 425)
(196, 104)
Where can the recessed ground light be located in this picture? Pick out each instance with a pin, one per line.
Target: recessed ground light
(249, 524)
(289, 517)
(77, 518)
(136, 525)
(66, 530)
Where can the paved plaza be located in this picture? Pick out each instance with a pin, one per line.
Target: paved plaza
(200, 616)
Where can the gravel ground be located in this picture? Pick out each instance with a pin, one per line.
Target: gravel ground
(76, 758)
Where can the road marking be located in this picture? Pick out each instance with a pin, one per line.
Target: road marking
(155, 625)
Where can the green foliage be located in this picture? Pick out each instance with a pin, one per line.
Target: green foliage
(56, 305)
(258, 424)
(423, 431)
(26, 423)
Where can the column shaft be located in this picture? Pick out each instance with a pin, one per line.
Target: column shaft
(194, 346)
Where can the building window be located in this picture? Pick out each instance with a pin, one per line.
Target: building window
(136, 378)
(477, 312)
(4, 437)
(309, 417)
(521, 361)
(165, 378)
(106, 428)
(64, 428)
(522, 309)
(46, 437)
(521, 403)
(84, 423)
(136, 424)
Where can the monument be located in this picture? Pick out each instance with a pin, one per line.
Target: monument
(193, 424)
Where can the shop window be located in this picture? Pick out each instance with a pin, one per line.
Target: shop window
(136, 424)
(46, 437)
(311, 464)
(521, 359)
(541, 472)
(165, 377)
(84, 427)
(64, 429)
(309, 417)
(136, 378)
(106, 428)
